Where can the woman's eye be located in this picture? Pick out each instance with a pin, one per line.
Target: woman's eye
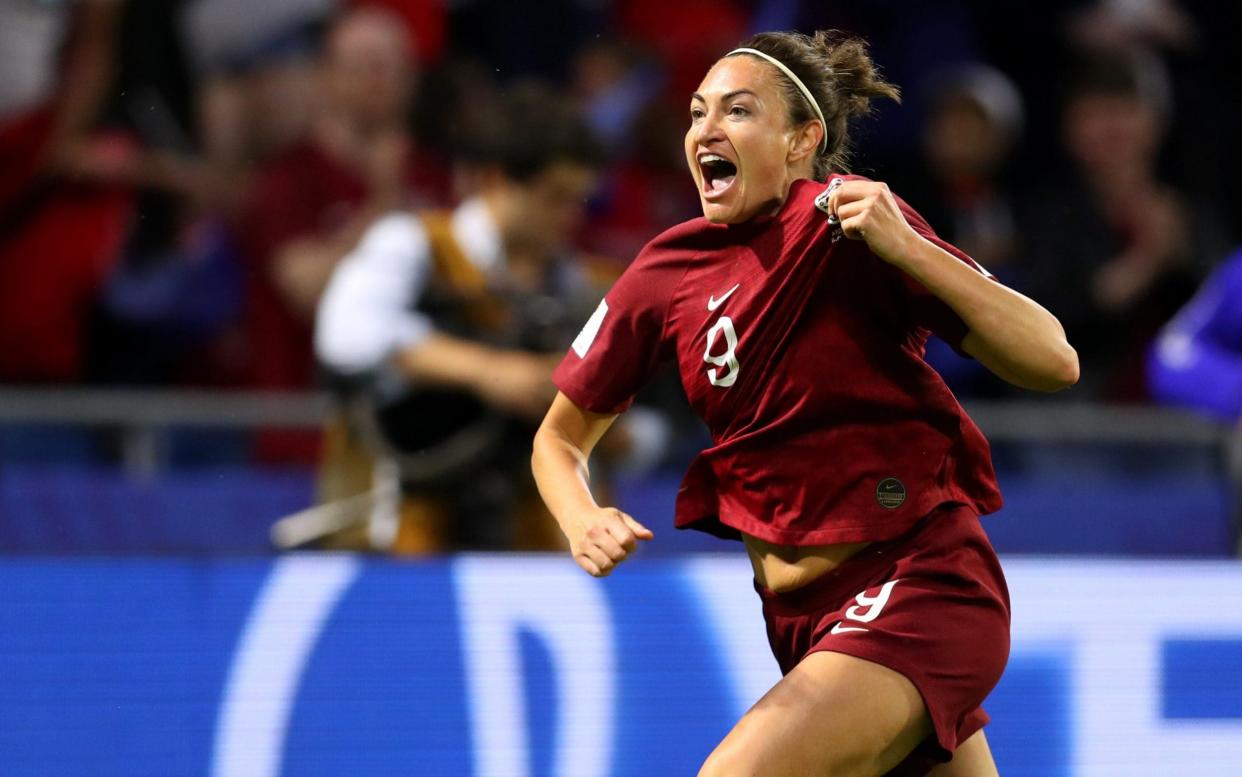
(695, 114)
(738, 110)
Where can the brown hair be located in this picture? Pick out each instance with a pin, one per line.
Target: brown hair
(838, 71)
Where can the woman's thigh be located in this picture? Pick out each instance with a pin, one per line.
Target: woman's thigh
(973, 758)
(833, 714)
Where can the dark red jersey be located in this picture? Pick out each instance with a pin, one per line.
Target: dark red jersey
(803, 353)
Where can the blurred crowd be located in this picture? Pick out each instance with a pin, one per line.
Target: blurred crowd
(181, 179)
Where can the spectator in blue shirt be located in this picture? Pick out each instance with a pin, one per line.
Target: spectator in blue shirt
(1197, 359)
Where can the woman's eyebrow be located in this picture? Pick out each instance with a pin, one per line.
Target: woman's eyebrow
(726, 96)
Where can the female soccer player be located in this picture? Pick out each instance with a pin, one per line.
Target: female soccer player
(839, 457)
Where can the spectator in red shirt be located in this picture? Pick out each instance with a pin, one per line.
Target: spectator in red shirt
(67, 181)
(311, 203)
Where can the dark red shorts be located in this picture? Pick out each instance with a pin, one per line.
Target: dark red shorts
(931, 604)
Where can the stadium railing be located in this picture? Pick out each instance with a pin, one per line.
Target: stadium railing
(1155, 450)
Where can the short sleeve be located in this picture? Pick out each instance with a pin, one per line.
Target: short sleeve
(624, 341)
(927, 310)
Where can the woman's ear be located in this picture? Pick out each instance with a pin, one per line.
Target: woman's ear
(806, 141)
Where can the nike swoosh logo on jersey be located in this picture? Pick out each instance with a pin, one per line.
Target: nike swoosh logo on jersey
(837, 628)
(713, 303)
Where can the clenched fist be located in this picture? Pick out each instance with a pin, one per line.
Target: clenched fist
(603, 538)
(867, 210)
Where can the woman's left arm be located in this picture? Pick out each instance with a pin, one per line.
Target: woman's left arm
(1010, 334)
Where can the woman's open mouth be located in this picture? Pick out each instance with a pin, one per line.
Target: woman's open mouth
(718, 175)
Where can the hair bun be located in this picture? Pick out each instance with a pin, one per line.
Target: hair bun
(836, 68)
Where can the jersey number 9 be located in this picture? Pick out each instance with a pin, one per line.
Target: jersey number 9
(727, 359)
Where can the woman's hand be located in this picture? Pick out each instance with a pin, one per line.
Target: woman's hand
(604, 537)
(868, 211)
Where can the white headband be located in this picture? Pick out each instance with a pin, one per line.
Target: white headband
(823, 144)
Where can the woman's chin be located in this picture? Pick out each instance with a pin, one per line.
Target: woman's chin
(721, 212)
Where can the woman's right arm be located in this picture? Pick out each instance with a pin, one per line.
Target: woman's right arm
(599, 537)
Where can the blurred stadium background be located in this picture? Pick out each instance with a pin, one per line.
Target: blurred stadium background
(180, 178)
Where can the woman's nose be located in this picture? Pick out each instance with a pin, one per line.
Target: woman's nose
(708, 129)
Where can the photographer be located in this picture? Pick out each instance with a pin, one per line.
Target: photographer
(443, 327)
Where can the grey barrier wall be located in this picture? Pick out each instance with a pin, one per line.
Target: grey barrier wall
(139, 416)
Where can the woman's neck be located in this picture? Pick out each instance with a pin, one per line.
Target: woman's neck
(792, 176)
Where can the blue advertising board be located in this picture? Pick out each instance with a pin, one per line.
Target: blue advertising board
(523, 666)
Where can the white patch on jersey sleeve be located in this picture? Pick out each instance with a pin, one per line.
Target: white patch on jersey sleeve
(587, 336)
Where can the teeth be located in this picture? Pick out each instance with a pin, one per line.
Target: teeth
(708, 158)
